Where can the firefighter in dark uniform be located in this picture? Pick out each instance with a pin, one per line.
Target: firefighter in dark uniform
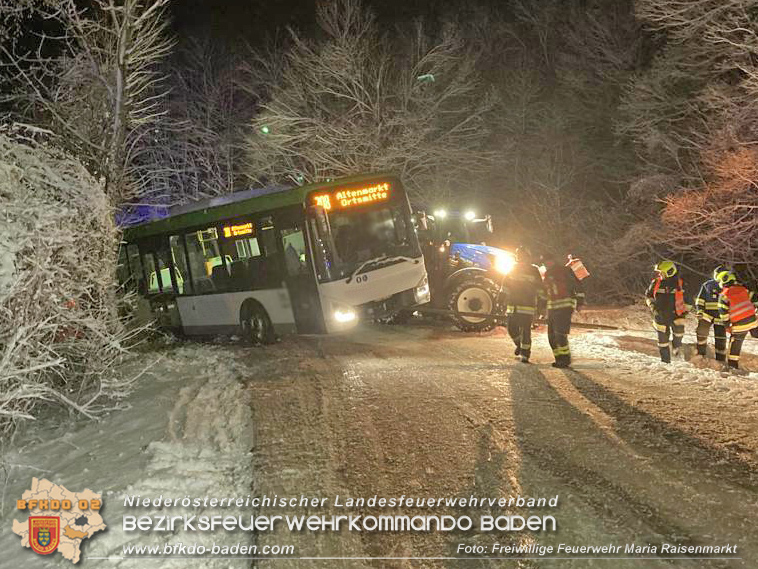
(737, 312)
(707, 309)
(564, 294)
(523, 287)
(665, 297)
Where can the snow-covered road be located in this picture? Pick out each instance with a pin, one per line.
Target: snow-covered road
(637, 451)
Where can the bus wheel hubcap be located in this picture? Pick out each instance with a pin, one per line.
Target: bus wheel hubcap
(257, 327)
(474, 300)
(254, 328)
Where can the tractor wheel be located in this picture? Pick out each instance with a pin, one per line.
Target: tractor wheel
(477, 295)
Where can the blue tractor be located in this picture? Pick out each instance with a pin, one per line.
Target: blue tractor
(465, 274)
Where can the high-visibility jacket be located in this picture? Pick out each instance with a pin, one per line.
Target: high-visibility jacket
(666, 296)
(562, 288)
(737, 308)
(707, 301)
(523, 286)
(578, 268)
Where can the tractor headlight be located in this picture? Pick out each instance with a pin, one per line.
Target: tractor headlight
(421, 292)
(504, 262)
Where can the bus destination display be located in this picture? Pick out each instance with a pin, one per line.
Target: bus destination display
(237, 230)
(344, 199)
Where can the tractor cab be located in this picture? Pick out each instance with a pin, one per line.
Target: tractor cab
(465, 273)
(454, 227)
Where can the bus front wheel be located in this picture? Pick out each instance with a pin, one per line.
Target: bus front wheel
(255, 324)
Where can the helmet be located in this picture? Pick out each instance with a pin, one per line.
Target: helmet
(666, 268)
(725, 278)
(523, 255)
(717, 270)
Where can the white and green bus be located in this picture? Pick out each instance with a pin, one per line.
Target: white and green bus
(311, 259)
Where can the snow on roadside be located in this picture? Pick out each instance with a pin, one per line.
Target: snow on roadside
(188, 433)
(649, 369)
(605, 346)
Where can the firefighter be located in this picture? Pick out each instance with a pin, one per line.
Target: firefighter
(665, 297)
(564, 293)
(523, 287)
(737, 312)
(707, 310)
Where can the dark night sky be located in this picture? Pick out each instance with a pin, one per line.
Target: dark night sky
(232, 19)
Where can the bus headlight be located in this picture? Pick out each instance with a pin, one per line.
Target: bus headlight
(345, 314)
(504, 263)
(421, 292)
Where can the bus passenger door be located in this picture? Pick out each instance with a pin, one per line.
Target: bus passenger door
(299, 276)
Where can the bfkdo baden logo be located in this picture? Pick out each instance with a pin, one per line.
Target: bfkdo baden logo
(58, 519)
(45, 532)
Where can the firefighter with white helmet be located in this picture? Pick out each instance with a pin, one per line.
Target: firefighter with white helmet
(665, 297)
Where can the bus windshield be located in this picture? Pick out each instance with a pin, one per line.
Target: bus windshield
(349, 242)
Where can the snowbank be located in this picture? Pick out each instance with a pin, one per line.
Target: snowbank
(188, 432)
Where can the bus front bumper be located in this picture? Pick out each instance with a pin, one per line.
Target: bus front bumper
(404, 300)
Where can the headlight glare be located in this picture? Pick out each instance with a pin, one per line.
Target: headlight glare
(504, 263)
(344, 315)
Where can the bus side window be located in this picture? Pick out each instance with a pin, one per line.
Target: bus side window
(122, 269)
(268, 243)
(137, 277)
(204, 258)
(165, 282)
(245, 259)
(181, 274)
(293, 242)
(153, 285)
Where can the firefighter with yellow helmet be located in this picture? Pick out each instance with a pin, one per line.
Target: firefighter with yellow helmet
(737, 312)
(707, 310)
(665, 298)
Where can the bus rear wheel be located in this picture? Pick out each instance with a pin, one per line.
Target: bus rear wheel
(474, 296)
(255, 325)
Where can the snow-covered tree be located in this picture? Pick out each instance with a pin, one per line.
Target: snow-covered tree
(693, 115)
(95, 82)
(60, 331)
(199, 148)
(360, 98)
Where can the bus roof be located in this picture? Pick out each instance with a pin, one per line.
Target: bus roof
(212, 210)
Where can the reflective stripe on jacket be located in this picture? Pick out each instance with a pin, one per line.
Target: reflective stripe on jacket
(562, 288)
(736, 308)
(707, 300)
(522, 286)
(667, 296)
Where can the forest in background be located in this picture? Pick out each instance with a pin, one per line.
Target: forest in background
(620, 131)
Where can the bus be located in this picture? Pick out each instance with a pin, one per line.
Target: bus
(311, 259)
